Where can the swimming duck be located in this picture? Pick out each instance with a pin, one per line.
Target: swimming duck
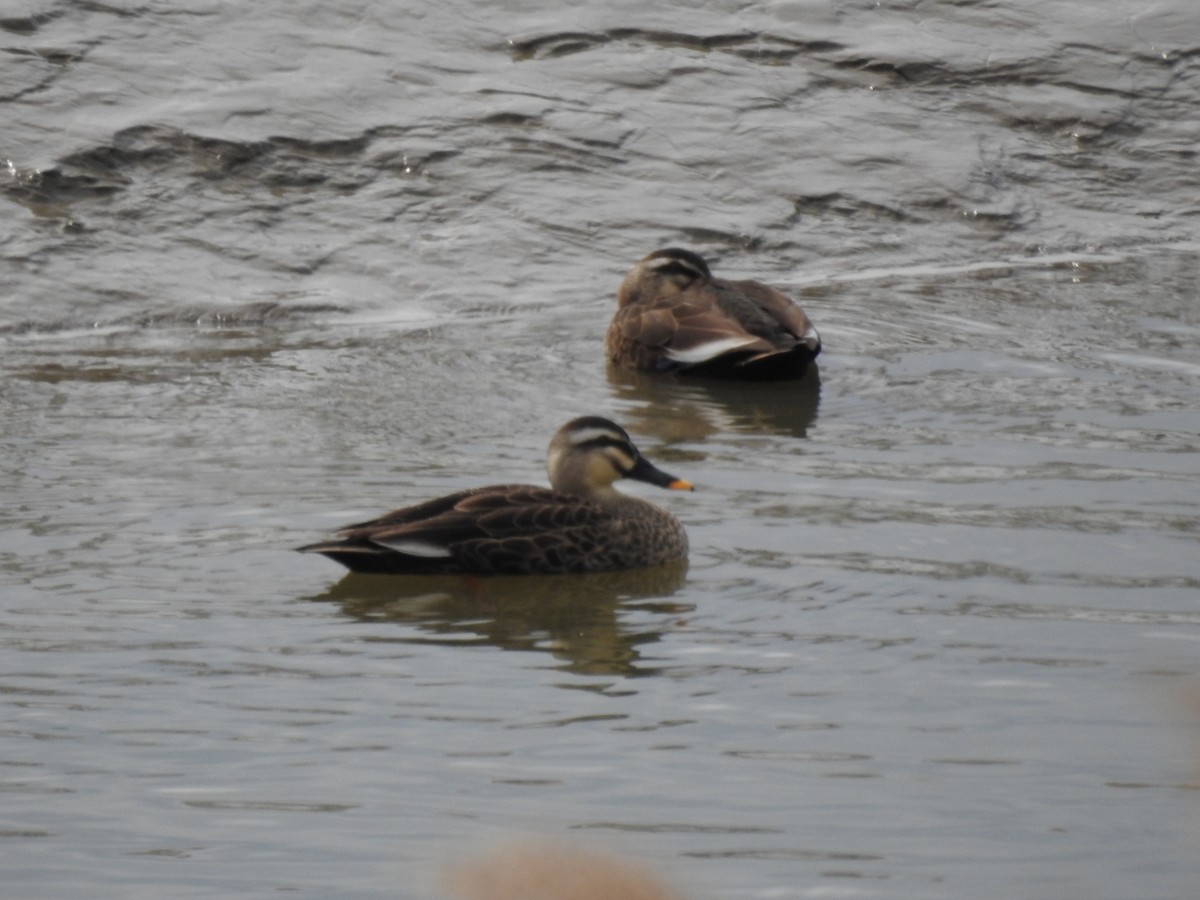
(673, 316)
(579, 524)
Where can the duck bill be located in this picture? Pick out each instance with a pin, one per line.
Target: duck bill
(644, 470)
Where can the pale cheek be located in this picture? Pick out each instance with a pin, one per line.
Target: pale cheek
(602, 470)
(599, 471)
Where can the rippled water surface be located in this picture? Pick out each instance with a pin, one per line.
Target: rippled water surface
(272, 268)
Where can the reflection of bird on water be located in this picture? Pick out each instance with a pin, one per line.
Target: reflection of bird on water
(673, 410)
(581, 524)
(673, 316)
(541, 871)
(577, 618)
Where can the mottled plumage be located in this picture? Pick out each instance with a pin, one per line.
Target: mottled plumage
(580, 524)
(673, 316)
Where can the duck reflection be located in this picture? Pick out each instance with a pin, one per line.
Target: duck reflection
(575, 618)
(678, 409)
(540, 870)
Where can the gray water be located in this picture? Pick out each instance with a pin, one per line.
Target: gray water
(270, 268)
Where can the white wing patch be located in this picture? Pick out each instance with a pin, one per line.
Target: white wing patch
(709, 350)
(811, 339)
(414, 548)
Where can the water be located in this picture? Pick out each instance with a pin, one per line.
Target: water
(270, 270)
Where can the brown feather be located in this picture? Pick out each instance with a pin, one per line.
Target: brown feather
(524, 529)
(673, 316)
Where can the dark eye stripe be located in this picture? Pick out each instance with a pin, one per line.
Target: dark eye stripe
(675, 261)
(679, 268)
(603, 441)
(593, 434)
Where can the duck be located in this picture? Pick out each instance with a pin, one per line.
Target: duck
(673, 316)
(581, 523)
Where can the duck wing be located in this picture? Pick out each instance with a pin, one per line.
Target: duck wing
(425, 511)
(683, 329)
(495, 512)
(515, 529)
(767, 313)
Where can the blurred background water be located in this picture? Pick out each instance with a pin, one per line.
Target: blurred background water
(270, 268)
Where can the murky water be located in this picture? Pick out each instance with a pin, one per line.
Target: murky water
(267, 270)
